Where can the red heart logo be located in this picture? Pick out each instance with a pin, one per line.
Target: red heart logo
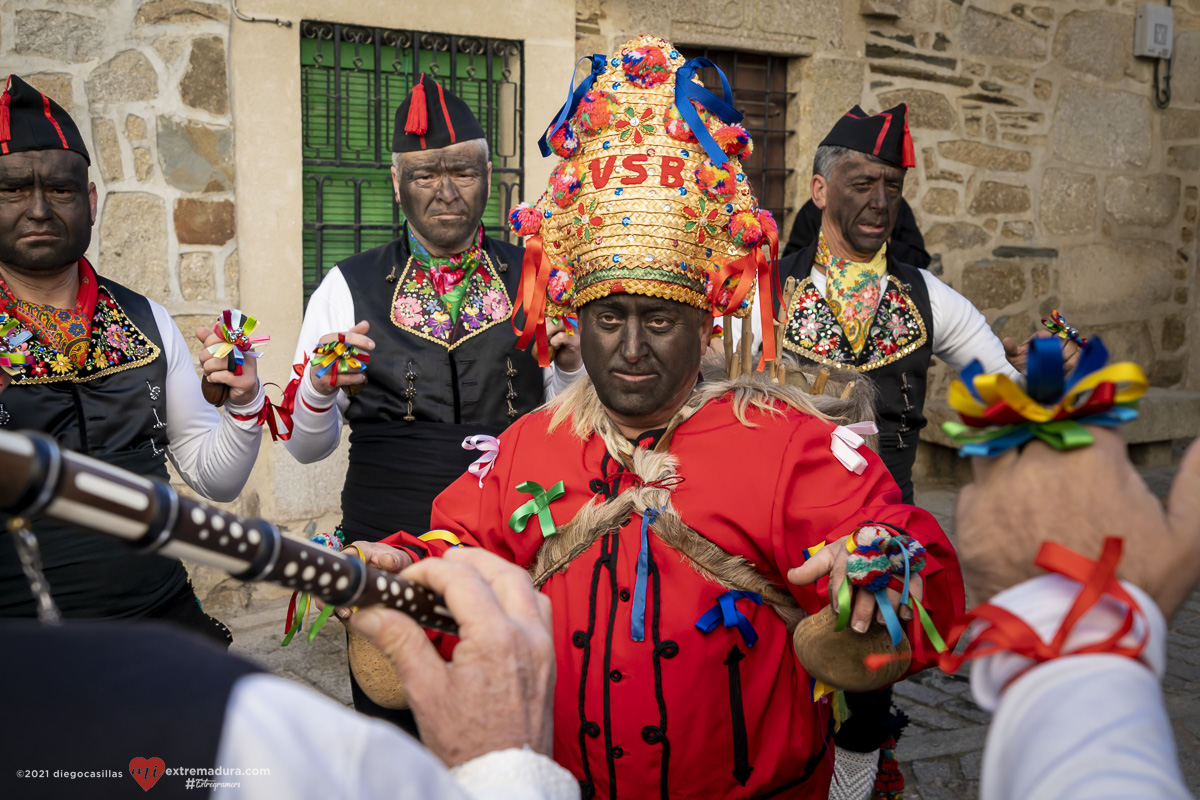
(147, 771)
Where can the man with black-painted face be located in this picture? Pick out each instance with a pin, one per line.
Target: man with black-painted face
(668, 517)
(859, 307)
(434, 311)
(104, 371)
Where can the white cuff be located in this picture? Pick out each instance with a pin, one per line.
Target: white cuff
(1043, 603)
(516, 775)
(310, 395)
(253, 407)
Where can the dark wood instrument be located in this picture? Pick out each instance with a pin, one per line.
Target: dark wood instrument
(41, 479)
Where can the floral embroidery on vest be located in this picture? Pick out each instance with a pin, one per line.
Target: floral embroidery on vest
(812, 330)
(116, 345)
(417, 308)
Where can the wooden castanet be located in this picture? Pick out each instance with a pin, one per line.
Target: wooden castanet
(836, 657)
(373, 671)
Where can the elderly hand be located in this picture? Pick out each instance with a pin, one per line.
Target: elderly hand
(831, 560)
(242, 388)
(1018, 355)
(1077, 498)
(497, 691)
(565, 342)
(356, 337)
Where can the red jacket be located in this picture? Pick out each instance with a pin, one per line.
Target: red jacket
(686, 713)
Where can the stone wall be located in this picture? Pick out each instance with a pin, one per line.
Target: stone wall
(1046, 177)
(147, 83)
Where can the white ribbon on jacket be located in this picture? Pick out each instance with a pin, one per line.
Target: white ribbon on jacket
(490, 446)
(845, 441)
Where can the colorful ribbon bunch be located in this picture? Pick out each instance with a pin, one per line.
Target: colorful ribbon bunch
(998, 415)
(300, 603)
(726, 613)
(235, 328)
(539, 505)
(889, 561)
(12, 336)
(490, 447)
(339, 357)
(1057, 325)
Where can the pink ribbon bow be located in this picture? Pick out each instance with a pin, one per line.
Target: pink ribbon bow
(845, 441)
(490, 446)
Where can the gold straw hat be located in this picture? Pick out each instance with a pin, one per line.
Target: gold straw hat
(649, 198)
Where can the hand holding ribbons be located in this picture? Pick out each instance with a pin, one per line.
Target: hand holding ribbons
(223, 358)
(997, 414)
(340, 359)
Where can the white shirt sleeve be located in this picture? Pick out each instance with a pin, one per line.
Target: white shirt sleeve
(1085, 726)
(315, 434)
(558, 380)
(313, 747)
(961, 333)
(213, 452)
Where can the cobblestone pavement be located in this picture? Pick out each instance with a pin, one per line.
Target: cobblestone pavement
(940, 753)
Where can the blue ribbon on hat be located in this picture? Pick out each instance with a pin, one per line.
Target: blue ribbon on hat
(574, 95)
(686, 91)
(725, 611)
(637, 621)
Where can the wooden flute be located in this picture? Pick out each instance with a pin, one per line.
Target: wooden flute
(43, 480)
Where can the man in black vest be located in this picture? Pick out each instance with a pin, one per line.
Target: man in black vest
(104, 371)
(859, 307)
(438, 304)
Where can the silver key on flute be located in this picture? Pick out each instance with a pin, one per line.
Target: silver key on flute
(42, 479)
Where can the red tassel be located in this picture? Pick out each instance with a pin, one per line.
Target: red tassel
(908, 155)
(5, 133)
(418, 116)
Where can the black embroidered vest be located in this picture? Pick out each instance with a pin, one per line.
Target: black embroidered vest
(113, 409)
(430, 384)
(895, 357)
(92, 697)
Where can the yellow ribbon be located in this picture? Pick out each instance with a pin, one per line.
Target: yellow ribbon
(442, 535)
(1129, 378)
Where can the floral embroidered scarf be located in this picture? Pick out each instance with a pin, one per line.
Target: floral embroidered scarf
(64, 330)
(852, 290)
(449, 275)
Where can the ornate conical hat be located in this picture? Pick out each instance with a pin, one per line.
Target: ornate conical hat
(649, 196)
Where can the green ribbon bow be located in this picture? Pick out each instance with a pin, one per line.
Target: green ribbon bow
(538, 505)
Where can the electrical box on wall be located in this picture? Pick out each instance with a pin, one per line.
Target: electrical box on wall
(1154, 31)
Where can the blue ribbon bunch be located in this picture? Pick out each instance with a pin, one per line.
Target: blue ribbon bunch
(726, 612)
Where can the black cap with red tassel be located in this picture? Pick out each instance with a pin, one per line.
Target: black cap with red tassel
(432, 117)
(29, 120)
(884, 135)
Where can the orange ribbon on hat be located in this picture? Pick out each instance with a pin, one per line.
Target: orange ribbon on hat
(535, 278)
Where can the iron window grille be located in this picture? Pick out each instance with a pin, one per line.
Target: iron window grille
(352, 79)
(759, 84)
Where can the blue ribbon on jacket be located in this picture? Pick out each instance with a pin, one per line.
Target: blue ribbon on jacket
(574, 95)
(637, 620)
(726, 612)
(686, 91)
